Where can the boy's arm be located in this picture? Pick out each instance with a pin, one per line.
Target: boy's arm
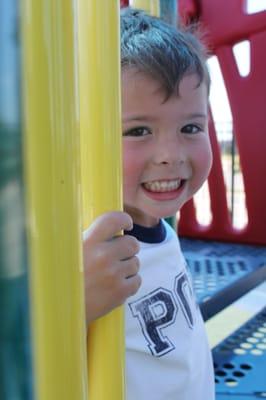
(110, 264)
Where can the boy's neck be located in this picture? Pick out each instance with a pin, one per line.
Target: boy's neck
(154, 234)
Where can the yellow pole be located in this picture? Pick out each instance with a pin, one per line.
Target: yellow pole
(100, 116)
(150, 6)
(52, 181)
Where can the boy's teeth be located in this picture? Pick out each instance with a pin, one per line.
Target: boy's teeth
(162, 186)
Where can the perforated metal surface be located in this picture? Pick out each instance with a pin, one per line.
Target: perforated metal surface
(211, 273)
(219, 249)
(222, 272)
(240, 362)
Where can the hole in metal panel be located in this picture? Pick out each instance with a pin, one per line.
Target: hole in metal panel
(228, 366)
(241, 53)
(238, 374)
(223, 121)
(254, 6)
(231, 382)
(202, 201)
(220, 373)
(245, 366)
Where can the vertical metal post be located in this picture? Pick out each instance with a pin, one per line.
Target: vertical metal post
(15, 360)
(165, 9)
(150, 6)
(51, 103)
(100, 117)
(168, 11)
(233, 158)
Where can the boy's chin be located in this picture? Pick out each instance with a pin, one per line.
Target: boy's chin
(149, 217)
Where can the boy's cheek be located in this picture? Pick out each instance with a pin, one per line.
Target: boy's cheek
(128, 177)
(202, 168)
(202, 156)
(207, 159)
(130, 164)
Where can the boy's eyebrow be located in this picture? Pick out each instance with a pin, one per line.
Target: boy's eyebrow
(151, 118)
(139, 118)
(196, 115)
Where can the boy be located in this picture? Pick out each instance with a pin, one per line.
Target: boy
(166, 159)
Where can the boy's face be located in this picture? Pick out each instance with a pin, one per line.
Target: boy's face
(166, 147)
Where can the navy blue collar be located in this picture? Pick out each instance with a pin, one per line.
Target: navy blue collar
(155, 234)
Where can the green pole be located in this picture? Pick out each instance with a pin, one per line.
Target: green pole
(15, 364)
(169, 13)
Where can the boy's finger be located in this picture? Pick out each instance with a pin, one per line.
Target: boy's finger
(130, 267)
(123, 247)
(108, 225)
(132, 285)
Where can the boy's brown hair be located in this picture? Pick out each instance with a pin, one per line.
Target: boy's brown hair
(161, 51)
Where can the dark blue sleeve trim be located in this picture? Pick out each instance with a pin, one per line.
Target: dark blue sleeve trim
(155, 234)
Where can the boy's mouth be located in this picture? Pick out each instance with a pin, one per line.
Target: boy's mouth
(162, 186)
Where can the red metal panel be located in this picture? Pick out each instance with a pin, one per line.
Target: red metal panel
(123, 3)
(227, 23)
(188, 9)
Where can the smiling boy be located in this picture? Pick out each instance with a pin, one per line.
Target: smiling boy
(166, 159)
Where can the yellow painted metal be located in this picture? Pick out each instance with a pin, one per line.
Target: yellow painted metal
(150, 6)
(52, 155)
(100, 117)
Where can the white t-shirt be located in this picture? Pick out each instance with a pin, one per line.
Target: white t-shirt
(167, 352)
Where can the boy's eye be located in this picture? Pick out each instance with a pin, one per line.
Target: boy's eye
(137, 132)
(191, 128)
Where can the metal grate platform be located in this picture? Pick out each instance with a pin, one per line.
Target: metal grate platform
(240, 362)
(222, 272)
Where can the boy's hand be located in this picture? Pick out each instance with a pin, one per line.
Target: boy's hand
(110, 264)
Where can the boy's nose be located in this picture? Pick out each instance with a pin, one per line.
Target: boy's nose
(169, 152)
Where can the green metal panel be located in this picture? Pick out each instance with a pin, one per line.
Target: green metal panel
(15, 365)
(168, 11)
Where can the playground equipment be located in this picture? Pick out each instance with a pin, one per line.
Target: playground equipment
(51, 130)
(61, 78)
(225, 269)
(226, 26)
(100, 125)
(14, 307)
